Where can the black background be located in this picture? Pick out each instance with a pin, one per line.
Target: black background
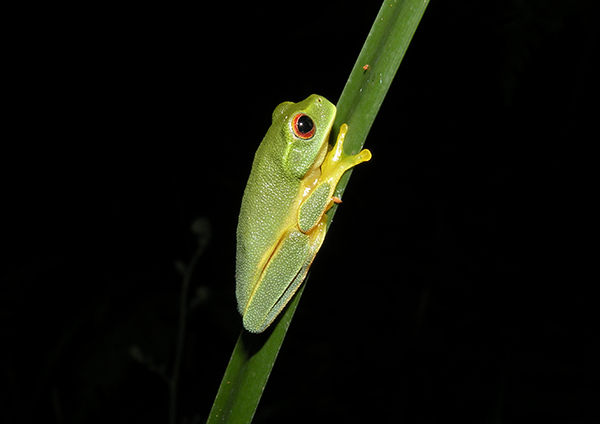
(457, 281)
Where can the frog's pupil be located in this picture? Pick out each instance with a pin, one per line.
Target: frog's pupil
(305, 124)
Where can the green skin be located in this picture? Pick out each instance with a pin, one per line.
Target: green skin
(282, 220)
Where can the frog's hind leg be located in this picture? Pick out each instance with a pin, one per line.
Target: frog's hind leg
(316, 237)
(315, 241)
(282, 276)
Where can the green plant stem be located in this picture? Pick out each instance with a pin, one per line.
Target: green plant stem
(373, 73)
(254, 355)
(249, 368)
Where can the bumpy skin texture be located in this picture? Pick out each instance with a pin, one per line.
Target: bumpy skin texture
(282, 223)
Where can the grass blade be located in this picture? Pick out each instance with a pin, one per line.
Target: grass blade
(249, 368)
(373, 73)
(254, 355)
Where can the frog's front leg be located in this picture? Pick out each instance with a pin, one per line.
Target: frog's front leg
(335, 164)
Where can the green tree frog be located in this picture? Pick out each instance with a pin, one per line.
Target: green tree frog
(282, 220)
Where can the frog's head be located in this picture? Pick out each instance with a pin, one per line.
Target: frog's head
(304, 129)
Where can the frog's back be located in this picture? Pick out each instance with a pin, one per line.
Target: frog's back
(264, 216)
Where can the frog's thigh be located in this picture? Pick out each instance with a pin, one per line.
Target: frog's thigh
(284, 274)
(275, 284)
(313, 207)
(316, 237)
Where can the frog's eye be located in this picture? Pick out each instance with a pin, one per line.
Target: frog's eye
(303, 126)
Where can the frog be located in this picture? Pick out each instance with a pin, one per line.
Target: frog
(282, 221)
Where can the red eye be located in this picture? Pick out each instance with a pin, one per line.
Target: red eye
(303, 126)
